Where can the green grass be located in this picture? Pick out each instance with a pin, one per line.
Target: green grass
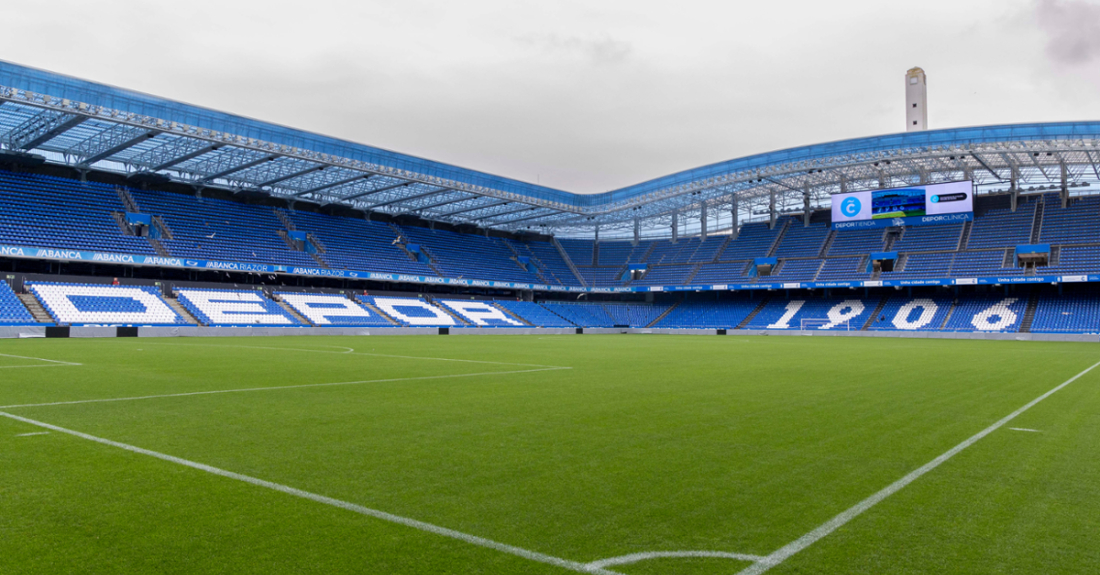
(648, 443)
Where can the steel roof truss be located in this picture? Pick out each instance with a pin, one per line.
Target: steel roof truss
(41, 128)
(110, 142)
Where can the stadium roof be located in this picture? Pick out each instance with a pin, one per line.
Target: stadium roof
(97, 127)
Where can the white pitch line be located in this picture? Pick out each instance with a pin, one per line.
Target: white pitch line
(47, 365)
(278, 387)
(413, 523)
(32, 434)
(1025, 429)
(53, 361)
(361, 353)
(785, 552)
(645, 556)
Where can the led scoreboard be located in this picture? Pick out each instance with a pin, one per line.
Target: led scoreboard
(917, 205)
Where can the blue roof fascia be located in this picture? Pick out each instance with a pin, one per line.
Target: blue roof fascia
(60, 86)
(923, 139)
(75, 89)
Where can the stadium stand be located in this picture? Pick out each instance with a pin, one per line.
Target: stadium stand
(1002, 228)
(987, 313)
(1076, 313)
(829, 313)
(552, 268)
(411, 312)
(906, 313)
(59, 213)
(929, 238)
(754, 240)
(225, 308)
(581, 314)
(709, 314)
(12, 311)
(632, 314)
(220, 229)
(332, 310)
(919, 266)
(97, 304)
(357, 244)
(1078, 223)
(723, 272)
(796, 270)
(665, 275)
(857, 242)
(472, 256)
(802, 241)
(579, 251)
(481, 313)
(535, 314)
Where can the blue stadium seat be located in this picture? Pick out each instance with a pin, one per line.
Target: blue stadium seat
(12, 311)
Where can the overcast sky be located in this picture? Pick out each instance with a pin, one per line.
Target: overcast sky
(584, 96)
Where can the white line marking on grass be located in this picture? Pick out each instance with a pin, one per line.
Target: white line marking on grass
(52, 362)
(353, 352)
(840, 520)
(636, 557)
(32, 434)
(413, 523)
(278, 387)
(1025, 429)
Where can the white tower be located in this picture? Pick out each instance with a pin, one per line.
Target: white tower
(916, 100)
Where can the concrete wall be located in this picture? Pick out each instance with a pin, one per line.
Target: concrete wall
(95, 331)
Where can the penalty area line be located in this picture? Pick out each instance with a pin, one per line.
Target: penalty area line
(647, 555)
(52, 362)
(354, 508)
(785, 552)
(278, 387)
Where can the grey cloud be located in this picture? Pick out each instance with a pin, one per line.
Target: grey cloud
(605, 50)
(1073, 30)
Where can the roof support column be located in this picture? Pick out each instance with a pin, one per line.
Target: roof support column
(733, 215)
(806, 207)
(843, 184)
(703, 221)
(637, 227)
(675, 226)
(771, 210)
(1064, 192)
(1014, 186)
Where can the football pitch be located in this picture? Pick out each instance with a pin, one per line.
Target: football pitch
(631, 454)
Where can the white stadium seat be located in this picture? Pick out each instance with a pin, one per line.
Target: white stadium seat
(429, 314)
(218, 307)
(102, 304)
(481, 313)
(322, 309)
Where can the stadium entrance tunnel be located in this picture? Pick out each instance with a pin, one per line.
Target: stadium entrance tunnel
(881, 262)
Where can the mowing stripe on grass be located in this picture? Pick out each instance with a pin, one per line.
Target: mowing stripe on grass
(636, 557)
(278, 387)
(419, 525)
(353, 352)
(783, 553)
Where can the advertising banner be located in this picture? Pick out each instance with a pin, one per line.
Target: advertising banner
(918, 205)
